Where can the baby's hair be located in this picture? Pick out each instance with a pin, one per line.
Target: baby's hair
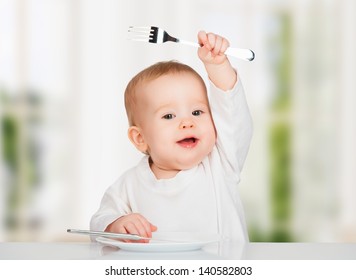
(149, 74)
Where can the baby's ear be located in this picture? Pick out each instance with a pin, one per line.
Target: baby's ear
(137, 139)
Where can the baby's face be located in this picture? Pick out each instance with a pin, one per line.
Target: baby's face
(174, 117)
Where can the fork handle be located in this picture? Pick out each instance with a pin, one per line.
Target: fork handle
(245, 54)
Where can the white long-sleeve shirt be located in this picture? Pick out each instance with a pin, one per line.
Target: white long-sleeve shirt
(202, 199)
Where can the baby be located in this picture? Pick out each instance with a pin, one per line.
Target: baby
(194, 149)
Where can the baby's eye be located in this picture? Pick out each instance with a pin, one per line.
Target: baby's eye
(197, 112)
(168, 116)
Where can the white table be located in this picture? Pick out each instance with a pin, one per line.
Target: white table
(251, 251)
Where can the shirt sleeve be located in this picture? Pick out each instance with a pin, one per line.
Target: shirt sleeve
(233, 124)
(112, 207)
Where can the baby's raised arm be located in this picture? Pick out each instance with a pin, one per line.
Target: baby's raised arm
(231, 115)
(217, 65)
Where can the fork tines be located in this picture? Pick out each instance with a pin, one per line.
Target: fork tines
(142, 33)
(151, 34)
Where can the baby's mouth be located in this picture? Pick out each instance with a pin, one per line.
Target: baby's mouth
(188, 142)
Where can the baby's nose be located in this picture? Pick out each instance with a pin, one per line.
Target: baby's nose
(186, 123)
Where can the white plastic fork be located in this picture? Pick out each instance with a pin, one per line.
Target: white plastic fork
(156, 35)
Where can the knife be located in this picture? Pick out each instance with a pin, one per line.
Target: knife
(126, 236)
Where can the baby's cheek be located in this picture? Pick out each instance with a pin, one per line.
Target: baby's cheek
(212, 141)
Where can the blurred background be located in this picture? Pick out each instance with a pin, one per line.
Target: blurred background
(64, 65)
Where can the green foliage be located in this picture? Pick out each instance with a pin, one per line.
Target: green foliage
(279, 139)
(280, 172)
(281, 187)
(283, 67)
(9, 129)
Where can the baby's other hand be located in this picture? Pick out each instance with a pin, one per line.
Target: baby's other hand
(213, 48)
(133, 224)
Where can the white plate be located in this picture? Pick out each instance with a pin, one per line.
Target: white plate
(185, 242)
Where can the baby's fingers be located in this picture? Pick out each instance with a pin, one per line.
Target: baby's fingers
(146, 227)
(218, 44)
(211, 40)
(137, 224)
(135, 227)
(203, 39)
(224, 46)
